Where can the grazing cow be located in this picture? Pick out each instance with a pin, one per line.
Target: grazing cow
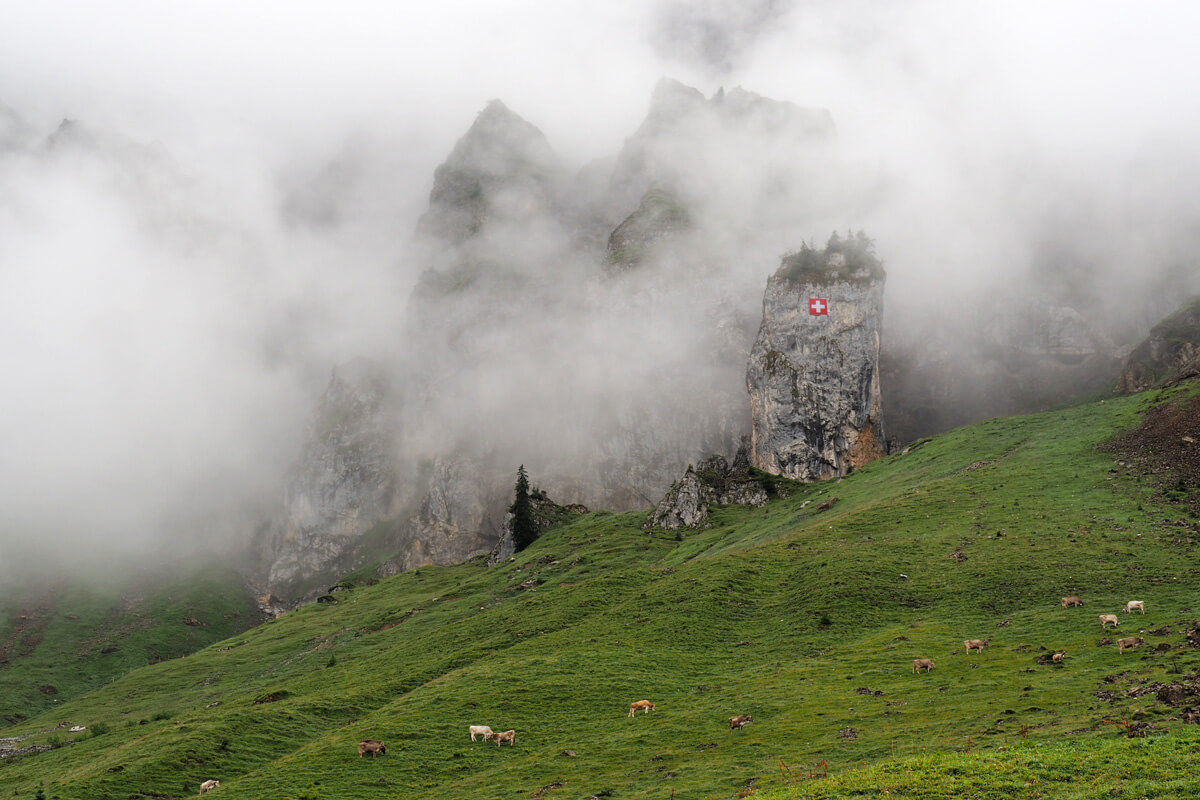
(921, 663)
(480, 730)
(738, 722)
(1128, 643)
(1140, 605)
(639, 705)
(1071, 601)
(208, 786)
(975, 644)
(1107, 618)
(373, 746)
(507, 736)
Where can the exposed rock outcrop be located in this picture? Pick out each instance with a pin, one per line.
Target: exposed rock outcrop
(685, 505)
(343, 483)
(518, 347)
(713, 481)
(659, 215)
(1171, 352)
(813, 378)
(459, 517)
(546, 514)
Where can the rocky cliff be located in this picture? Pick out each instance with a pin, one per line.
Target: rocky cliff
(1170, 352)
(713, 481)
(584, 362)
(345, 482)
(458, 517)
(687, 143)
(813, 378)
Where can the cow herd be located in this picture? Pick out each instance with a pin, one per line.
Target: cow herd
(977, 645)
(374, 747)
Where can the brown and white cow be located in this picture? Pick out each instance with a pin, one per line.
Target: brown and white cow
(640, 705)
(506, 736)
(739, 722)
(1129, 643)
(975, 644)
(373, 746)
(921, 663)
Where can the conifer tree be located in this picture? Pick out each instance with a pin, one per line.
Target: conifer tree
(524, 527)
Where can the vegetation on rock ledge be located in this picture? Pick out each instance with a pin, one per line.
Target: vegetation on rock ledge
(851, 259)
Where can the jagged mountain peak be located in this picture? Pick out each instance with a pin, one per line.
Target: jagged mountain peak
(497, 136)
(687, 141)
(767, 114)
(502, 167)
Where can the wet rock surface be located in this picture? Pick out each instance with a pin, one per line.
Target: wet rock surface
(813, 376)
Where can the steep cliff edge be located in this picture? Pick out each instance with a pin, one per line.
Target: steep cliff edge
(1170, 352)
(813, 376)
(344, 483)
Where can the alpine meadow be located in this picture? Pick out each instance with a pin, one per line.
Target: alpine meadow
(806, 620)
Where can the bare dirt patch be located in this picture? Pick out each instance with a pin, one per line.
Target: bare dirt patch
(1166, 448)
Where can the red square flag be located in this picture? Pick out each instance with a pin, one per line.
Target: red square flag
(818, 305)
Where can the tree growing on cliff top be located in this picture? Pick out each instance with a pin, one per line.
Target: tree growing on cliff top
(850, 257)
(524, 527)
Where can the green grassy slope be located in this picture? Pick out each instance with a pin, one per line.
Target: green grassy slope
(62, 640)
(808, 620)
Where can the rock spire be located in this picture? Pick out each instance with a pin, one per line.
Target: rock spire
(813, 376)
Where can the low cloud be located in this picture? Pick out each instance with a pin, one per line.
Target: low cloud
(233, 213)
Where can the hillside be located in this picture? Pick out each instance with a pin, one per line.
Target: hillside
(806, 619)
(59, 640)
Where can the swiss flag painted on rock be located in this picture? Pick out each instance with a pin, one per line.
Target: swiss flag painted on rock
(818, 305)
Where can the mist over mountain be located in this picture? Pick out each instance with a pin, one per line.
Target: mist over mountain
(198, 234)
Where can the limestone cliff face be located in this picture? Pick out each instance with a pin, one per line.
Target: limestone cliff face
(605, 371)
(658, 216)
(1170, 352)
(343, 484)
(815, 403)
(459, 517)
(713, 481)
